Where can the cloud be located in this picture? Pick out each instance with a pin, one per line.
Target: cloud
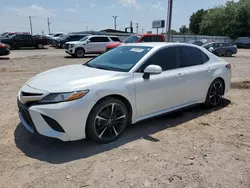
(70, 10)
(32, 10)
(158, 6)
(91, 4)
(130, 3)
(77, 5)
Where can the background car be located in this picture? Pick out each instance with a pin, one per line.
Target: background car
(4, 50)
(20, 40)
(125, 85)
(221, 49)
(93, 44)
(137, 38)
(60, 42)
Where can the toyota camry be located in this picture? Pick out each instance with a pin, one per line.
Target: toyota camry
(128, 84)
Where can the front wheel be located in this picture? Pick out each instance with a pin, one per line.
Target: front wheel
(107, 120)
(215, 93)
(79, 53)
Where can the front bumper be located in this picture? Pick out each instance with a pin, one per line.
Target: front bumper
(4, 51)
(70, 116)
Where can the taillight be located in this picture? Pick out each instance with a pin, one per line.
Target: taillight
(228, 66)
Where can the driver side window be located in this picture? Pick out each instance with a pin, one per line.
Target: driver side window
(167, 59)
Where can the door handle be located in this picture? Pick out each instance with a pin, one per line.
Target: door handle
(180, 74)
(209, 69)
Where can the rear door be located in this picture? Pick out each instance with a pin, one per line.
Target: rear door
(97, 44)
(196, 73)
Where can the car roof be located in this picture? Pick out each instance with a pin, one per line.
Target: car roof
(159, 44)
(103, 36)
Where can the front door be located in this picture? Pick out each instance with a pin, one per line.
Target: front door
(162, 91)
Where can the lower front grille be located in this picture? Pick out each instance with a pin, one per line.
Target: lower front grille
(25, 114)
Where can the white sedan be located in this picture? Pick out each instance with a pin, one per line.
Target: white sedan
(125, 85)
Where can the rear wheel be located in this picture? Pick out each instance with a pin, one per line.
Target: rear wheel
(229, 53)
(79, 53)
(215, 93)
(39, 46)
(107, 120)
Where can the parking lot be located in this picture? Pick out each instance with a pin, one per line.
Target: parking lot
(191, 148)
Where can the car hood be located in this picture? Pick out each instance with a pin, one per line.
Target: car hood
(114, 45)
(70, 78)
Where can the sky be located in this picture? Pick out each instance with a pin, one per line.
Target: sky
(79, 15)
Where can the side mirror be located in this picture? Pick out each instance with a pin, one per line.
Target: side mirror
(88, 41)
(151, 69)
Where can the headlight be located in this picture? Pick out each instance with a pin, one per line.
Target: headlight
(63, 97)
(71, 45)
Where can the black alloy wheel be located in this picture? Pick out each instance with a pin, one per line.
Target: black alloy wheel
(107, 121)
(215, 93)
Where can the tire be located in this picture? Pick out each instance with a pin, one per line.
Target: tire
(9, 46)
(79, 53)
(39, 46)
(103, 126)
(215, 93)
(217, 53)
(229, 53)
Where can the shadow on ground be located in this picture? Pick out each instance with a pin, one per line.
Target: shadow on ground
(4, 58)
(56, 152)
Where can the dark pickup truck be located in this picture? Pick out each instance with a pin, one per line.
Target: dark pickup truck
(24, 40)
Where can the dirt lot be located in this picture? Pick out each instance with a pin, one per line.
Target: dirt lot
(195, 148)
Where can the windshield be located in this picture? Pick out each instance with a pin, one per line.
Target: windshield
(84, 38)
(131, 39)
(62, 37)
(122, 58)
(58, 35)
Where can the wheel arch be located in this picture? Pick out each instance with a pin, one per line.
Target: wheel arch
(223, 82)
(119, 97)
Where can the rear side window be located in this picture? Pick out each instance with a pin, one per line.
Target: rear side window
(167, 59)
(204, 57)
(157, 39)
(115, 39)
(99, 39)
(147, 39)
(191, 56)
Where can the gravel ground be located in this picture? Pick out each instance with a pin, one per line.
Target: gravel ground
(194, 148)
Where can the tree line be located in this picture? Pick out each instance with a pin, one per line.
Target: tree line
(231, 19)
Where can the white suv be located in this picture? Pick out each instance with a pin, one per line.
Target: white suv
(93, 44)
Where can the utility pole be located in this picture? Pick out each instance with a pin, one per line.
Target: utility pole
(86, 28)
(142, 31)
(31, 25)
(49, 25)
(137, 27)
(115, 17)
(131, 27)
(169, 19)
